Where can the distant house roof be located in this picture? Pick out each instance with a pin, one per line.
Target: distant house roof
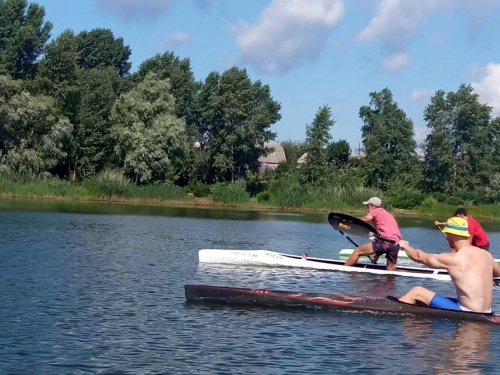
(271, 160)
(356, 156)
(302, 159)
(275, 157)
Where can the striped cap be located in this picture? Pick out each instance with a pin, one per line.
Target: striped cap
(458, 226)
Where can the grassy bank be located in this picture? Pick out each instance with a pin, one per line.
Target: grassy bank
(103, 187)
(112, 187)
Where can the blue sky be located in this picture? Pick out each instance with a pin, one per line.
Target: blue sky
(314, 52)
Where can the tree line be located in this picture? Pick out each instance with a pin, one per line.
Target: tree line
(70, 108)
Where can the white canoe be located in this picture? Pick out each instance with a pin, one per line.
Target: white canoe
(274, 259)
(346, 253)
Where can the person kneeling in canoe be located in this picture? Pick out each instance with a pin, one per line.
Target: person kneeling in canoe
(478, 236)
(471, 270)
(387, 227)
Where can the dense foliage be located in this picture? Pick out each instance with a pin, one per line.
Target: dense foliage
(71, 109)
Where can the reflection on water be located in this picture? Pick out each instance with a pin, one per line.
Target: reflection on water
(98, 288)
(467, 348)
(456, 348)
(115, 208)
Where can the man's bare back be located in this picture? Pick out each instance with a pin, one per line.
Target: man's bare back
(471, 270)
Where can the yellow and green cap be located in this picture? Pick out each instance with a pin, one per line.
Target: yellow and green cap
(458, 226)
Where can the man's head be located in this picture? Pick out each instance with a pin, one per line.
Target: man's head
(460, 212)
(456, 229)
(373, 202)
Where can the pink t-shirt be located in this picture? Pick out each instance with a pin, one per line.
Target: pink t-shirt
(385, 224)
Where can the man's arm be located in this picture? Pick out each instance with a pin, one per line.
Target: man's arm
(496, 269)
(439, 223)
(430, 260)
(367, 218)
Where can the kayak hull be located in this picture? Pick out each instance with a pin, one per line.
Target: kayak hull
(267, 258)
(322, 301)
(346, 253)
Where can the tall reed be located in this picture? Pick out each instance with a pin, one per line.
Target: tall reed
(107, 184)
(40, 187)
(232, 194)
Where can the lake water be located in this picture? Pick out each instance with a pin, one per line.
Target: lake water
(93, 288)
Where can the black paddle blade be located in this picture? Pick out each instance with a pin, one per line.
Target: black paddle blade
(352, 225)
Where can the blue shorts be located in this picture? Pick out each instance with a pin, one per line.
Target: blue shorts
(442, 302)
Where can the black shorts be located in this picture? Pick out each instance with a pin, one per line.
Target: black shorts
(389, 249)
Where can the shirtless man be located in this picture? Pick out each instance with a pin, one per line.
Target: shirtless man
(388, 228)
(471, 270)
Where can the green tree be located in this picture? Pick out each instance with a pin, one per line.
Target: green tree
(391, 162)
(458, 151)
(338, 153)
(34, 136)
(99, 48)
(184, 87)
(94, 145)
(233, 116)
(23, 34)
(150, 139)
(57, 73)
(314, 171)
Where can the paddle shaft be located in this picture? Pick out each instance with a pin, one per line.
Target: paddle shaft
(349, 238)
(441, 230)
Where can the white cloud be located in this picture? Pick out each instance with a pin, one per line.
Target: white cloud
(422, 94)
(488, 88)
(133, 8)
(397, 20)
(289, 33)
(396, 62)
(179, 38)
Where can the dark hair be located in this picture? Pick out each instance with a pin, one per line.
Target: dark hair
(460, 211)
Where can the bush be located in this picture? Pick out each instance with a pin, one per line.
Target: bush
(429, 202)
(408, 199)
(109, 183)
(198, 189)
(258, 182)
(40, 186)
(287, 193)
(166, 191)
(454, 201)
(263, 196)
(475, 198)
(230, 194)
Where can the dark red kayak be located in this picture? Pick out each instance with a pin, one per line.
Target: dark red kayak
(286, 299)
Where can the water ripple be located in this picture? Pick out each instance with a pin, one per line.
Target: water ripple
(103, 294)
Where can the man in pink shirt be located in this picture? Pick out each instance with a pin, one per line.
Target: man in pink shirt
(387, 227)
(478, 236)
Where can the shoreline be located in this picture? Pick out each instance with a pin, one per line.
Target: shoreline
(203, 203)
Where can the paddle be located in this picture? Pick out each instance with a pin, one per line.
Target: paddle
(349, 238)
(441, 229)
(353, 225)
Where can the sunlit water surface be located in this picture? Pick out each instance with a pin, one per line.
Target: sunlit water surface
(98, 289)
